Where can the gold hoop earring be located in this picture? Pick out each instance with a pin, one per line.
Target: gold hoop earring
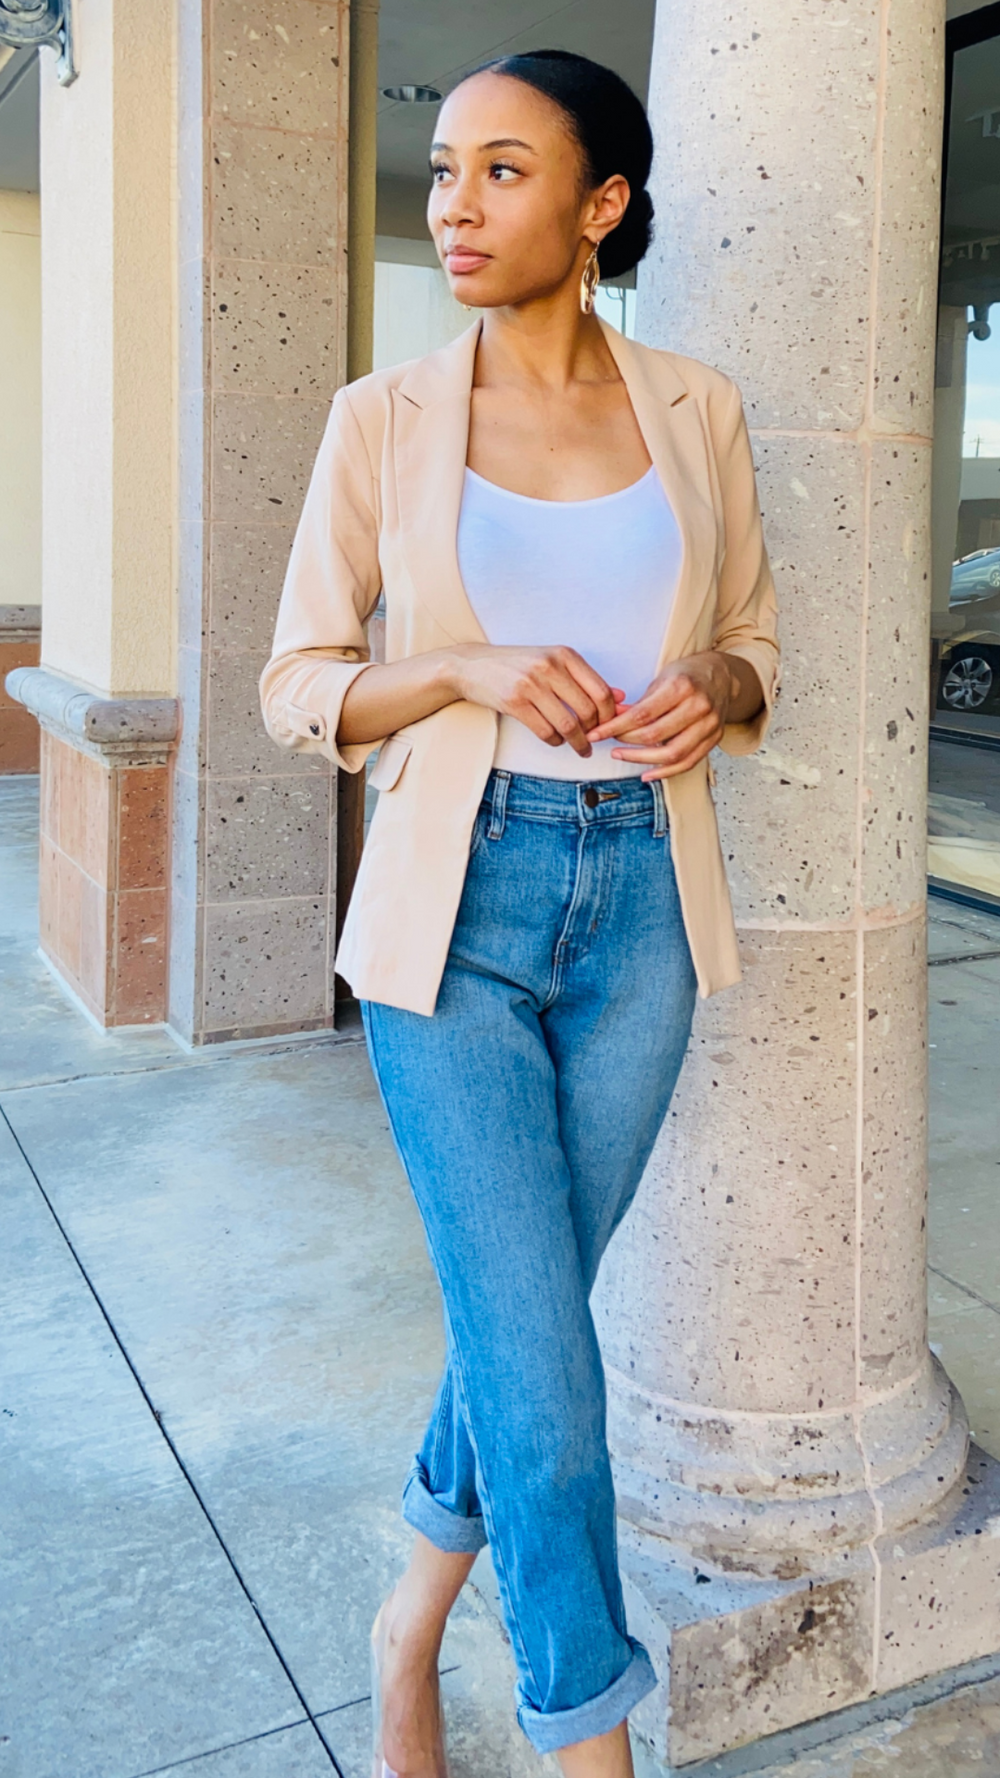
(589, 282)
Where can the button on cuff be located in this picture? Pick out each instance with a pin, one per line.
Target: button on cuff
(307, 723)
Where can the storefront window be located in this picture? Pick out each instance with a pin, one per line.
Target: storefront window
(964, 819)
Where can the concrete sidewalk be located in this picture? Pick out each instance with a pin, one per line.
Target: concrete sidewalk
(220, 1342)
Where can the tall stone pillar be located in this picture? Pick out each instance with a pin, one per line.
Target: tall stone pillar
(803, 1522)
(262, 244)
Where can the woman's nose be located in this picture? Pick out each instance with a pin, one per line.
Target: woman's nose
(458, 205)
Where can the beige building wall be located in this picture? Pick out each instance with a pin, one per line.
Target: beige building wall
(21, 480)
(108, 364)
(20, 408)
(415, 312)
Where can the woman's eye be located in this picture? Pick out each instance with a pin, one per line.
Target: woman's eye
(439, 173)
(503, 172)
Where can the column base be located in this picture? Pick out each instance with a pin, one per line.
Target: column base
(785, 1495)
(740, 1658)
(104, 839)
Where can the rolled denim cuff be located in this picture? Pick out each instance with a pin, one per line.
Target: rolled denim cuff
(447, 1530)
(563, 1728)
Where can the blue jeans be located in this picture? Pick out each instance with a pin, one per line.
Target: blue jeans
(524, 1111)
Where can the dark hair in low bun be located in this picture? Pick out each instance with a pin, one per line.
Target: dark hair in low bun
(613, 133)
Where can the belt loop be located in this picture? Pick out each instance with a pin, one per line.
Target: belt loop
(661, 823)
(498, 813)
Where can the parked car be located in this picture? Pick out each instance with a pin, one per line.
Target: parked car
(970, 658)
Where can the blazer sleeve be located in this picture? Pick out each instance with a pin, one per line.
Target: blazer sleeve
(331, 586)
(746, 612)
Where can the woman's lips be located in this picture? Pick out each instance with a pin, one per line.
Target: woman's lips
(464, 259)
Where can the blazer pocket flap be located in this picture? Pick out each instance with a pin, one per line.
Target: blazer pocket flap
(393, 755)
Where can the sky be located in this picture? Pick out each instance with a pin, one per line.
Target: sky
(982, 394)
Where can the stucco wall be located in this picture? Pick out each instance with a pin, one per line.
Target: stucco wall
(415, 312)
(21, 406)
(109, 359)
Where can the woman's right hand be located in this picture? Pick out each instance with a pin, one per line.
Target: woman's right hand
(553, 691)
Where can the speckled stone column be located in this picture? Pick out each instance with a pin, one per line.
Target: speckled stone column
(780, 1428)
(262, 238)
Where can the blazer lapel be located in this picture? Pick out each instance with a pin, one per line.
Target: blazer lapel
(671, 426)
(430, 445)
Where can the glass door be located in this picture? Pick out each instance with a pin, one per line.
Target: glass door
(964, 816)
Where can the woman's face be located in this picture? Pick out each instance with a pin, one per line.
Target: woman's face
(507, 208)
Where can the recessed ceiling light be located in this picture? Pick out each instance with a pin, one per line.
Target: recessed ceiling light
(412, 95)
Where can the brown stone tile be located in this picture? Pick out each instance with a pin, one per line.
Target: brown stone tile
(95, 932)
(15, 654)
(70, 881)
(143, 827)
(277, 197)
(48, 896)
(248, 568)
(85, 813)
(138, 967)
(267, 836)
(282, 64)
(263, 451)
(18, 740)
(237, 741)
(48, 805)
(277, 329)
(265, 966)
(18, 728)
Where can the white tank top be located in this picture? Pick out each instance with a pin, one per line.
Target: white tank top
(595, 575)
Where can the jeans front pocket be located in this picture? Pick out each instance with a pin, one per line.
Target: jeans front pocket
(480, 829)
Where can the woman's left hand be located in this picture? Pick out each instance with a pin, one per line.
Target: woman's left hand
(681, 715)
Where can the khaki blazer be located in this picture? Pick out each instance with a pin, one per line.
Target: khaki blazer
(382, 512)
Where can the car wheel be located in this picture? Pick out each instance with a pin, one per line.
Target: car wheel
(969, 681)
(993, 577)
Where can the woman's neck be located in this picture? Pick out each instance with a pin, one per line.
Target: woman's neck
(546, 343)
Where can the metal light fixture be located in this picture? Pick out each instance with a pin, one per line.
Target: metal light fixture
(27, 24)
(412, 95)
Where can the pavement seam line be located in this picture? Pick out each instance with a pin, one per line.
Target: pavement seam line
(191, 1759)
(966, 1289)
(963, 957)
(171, 1446)
(169, 1064)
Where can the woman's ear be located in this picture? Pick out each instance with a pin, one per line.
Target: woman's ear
(609, 204)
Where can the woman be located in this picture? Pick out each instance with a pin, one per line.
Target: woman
(579, 608)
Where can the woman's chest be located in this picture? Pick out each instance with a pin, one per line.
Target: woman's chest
(576, 445)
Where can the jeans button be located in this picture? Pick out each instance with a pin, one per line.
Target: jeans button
(591, 797)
